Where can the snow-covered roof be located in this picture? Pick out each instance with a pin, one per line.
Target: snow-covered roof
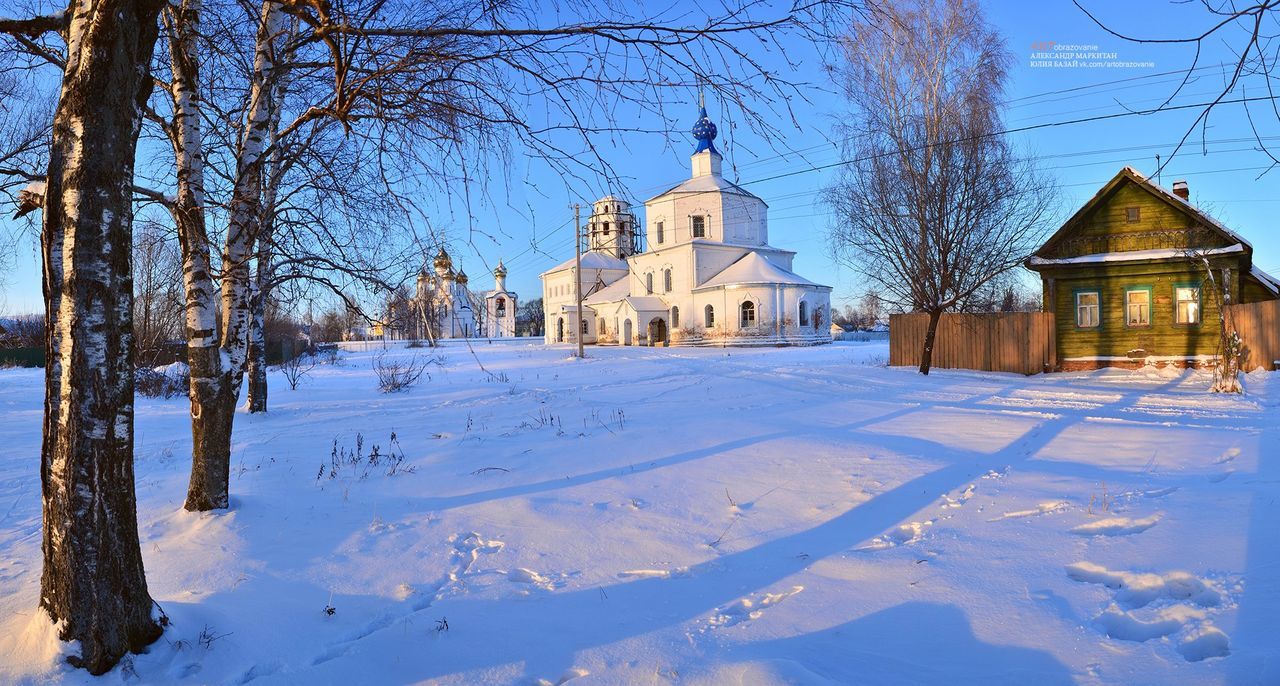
(1133, 175)
(1268, 281)
(614, 292)
(710, 183)
(647, 303)
(752, 268)
(591, 260)
(1135, 256)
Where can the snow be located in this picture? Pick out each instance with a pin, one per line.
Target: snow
(591, 260)
(1136, 255)
(707, 516)
(752, 268)
(708, 183)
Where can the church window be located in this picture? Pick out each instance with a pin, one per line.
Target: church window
(648, 283)
(748, 314)
(501, 308)
(804, 313)
(710, 315)
(606, 228)
(699, 227)
(675, 317)
(659, 232)
(666, 281)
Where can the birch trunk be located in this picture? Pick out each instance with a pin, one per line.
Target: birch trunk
(266, 237)
(93, 583)
(211, 450)
(222, 364)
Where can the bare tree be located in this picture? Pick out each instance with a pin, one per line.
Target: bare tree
(933, 203)
(157, 287)
(93, 586)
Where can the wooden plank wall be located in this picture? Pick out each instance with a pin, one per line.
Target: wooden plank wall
(1259, 327)
(1018, 342)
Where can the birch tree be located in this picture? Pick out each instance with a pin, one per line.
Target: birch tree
(932, 204)
(93, 586)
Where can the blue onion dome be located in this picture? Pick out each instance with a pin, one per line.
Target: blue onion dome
(705, 131)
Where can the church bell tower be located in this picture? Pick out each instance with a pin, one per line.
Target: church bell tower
(611, 228)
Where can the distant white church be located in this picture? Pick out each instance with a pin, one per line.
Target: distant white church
(708, 277)
(441, 301)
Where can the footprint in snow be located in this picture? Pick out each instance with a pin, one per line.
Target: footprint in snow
(1045, 508)
(1148, 606)
(748, 608)
(1116, 526)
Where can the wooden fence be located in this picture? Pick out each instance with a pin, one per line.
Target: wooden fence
(1020, 342)
(1259, 327)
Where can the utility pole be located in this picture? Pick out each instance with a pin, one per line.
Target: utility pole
(577, 276)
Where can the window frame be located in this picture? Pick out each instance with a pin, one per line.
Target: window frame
(1151, 314)
(804, 313)
(709, 316)
(694, 220)
(660, 233)
(1199, 287)
(1075, 306)
(666, 280)
(648, 283)
(675, 316)
(743, 308)
(1132, 215)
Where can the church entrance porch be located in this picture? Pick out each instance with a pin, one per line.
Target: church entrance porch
(658, 332)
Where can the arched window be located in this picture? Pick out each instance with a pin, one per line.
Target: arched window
(600, 326)
(675, 317)
(804, 313)
(648, 283)
(666, 281)
(710, 315)
(660, 233)
(748, 314)
(501, 309)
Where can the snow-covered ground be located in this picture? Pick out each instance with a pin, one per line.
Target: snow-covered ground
(696, 516)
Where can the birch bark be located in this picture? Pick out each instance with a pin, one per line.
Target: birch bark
(93, 583)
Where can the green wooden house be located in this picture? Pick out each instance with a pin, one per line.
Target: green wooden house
(1128, 277)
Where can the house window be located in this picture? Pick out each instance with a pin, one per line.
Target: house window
(709, 314)
(1132, 214)
(748, 314)
(1087, 309)
(648, 283)
(666, 281)
(1187, 301)
(675, 317)
(1137, 307)
(699, 227)
(804, 313)
(659, 232)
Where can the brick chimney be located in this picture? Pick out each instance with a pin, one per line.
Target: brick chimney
(1181, 190)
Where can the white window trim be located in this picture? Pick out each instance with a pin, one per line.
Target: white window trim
(1097, 310)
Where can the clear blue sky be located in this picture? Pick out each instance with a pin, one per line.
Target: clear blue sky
(1082, 156)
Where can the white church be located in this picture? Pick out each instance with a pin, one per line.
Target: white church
(708, 277)
(442, 303)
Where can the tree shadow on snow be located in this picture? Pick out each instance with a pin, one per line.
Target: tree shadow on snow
(911, 643)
